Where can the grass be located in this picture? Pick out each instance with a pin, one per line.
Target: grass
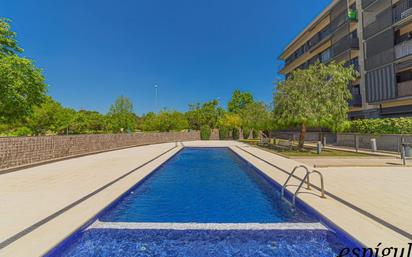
(307, 152)
(325, 152)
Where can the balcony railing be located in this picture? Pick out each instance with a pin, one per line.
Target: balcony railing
(383, 21)
(380, 59)
(344, 44)
(402, 10)
(405, 88)
(338, 21)
(403, 49)
(366, 3)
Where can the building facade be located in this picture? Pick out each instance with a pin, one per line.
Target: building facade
(375, 36)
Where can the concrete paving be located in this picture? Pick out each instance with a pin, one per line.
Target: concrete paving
(370, 204)
(322, 162)
(38, 211)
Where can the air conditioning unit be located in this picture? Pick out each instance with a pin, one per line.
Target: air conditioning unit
(406, 13)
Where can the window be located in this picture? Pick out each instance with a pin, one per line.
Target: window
(356, 90)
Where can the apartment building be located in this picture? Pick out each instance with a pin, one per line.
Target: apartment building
(375, 36)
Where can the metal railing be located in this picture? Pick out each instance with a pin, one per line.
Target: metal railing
(344, 44)
(383, 21)
(403, 49)
(306, 179)
(402, 10)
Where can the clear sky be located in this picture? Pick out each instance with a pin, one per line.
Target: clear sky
(196, 50)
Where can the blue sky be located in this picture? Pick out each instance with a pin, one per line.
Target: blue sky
(95, 50)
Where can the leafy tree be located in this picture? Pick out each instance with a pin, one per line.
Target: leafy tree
(255, 116)
(86, 122)
(8, 42)
(230, 121)
(45, 118)
(239, 101)
(165, 121)
(314, 97)
(204, 114)
(22, 85)
(121, 115)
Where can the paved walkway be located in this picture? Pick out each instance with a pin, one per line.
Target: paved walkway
(40, 206)
(323, 162)
(371, 204)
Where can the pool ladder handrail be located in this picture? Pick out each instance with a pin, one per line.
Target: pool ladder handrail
(305, 178)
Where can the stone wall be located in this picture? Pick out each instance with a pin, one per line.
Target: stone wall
(19, 151)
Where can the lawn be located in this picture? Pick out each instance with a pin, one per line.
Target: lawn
(307, 152)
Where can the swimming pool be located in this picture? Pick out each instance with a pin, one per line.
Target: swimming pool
(205, 202)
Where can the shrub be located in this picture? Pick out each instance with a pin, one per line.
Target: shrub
(235, 134)
(223, 133)
(246, 133)
(205, 132)
(382, 126)
(255, 134)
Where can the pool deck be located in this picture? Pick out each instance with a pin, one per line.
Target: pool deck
(43, 205)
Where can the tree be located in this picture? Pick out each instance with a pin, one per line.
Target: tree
(8, 42)
(239, 101)
(22, 85)
(204, 114)
(165, 121)
(45, 118)
(314, 97)
(121, 115)
(86, 122)
(255, 116)
(230, 121)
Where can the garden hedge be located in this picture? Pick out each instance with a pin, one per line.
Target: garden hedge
(381, 126)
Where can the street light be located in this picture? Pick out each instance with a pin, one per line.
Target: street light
(155, 86)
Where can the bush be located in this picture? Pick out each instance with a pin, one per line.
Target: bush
(235, 134)
(205, 132)
(381, 126)
(255, 134)
(246, 133)
(223, 133)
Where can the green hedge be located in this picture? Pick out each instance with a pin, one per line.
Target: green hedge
(223, 133)
(381, 126)
(235, 134)
(205, 132)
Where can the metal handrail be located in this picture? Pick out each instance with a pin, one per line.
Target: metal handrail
(305, 178)
(322, 185)
(291, 174)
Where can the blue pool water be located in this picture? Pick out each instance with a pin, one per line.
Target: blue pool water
(204, 185)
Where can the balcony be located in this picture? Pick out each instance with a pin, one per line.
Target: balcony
(383, 58)
(356, 101)
(383, 20)
(403, 49)
(366, 3)
(344, 44)
(405, 88)
(338, 21)
(402, 11)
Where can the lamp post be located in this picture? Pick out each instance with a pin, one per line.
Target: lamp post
(156, 88)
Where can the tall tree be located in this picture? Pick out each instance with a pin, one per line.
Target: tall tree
(121, 115)
(165, 121)
(314, 97)
(255, 116)
(22, 85)
(207, 113)
(239, 101)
